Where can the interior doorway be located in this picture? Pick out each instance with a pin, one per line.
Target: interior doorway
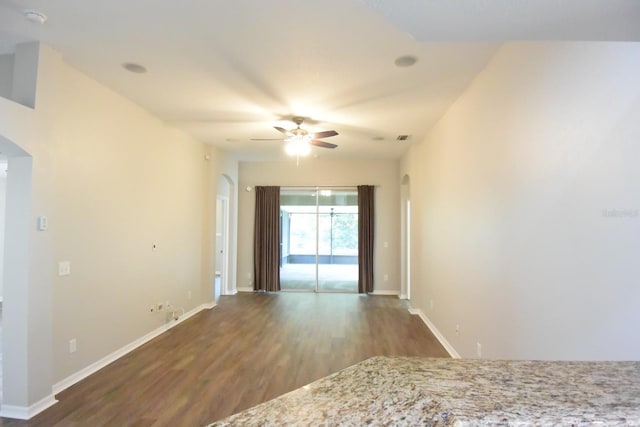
(319, 239)
(405, 194)
(408, 244)
(15, 275)
(3, 193)
(222, 247)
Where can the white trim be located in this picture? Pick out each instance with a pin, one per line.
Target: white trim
(452, 351)
(224, 269)
(96, 366)
(244, 289)
(24, 412)
(403, 296)
(384, 292)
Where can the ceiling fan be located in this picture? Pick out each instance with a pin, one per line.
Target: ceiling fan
(299, 140)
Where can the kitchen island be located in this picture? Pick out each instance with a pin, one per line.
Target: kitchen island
(456, 392)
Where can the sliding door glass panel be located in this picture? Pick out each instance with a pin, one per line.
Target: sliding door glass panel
(337, 240)
(298, 211)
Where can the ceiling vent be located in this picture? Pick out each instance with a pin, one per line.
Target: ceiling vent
(402, 137)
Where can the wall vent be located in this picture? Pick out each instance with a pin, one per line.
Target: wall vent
(402, 137)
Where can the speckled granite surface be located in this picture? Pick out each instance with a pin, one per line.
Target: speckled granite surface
(441, 392)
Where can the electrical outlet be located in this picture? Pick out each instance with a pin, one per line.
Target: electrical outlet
(188, 294)
(479, 349)
(386, 277)
(73, 345)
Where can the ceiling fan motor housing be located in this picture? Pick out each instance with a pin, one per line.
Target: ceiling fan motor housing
(298, 132)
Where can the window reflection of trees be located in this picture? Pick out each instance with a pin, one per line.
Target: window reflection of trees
(343, 233)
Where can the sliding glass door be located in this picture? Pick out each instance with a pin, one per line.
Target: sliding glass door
(319, 239)
(298, 240)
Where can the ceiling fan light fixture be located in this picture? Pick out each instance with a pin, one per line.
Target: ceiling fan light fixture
(298, 146)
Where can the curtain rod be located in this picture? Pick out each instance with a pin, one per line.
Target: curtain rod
(294, 187)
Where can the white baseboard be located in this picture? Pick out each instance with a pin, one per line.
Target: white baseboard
(27, 412)
(403, 296)
(452, 351)
(384, 292)
(245, 289)
(96, 366)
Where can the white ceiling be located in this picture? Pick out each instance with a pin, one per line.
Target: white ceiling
(228, 71)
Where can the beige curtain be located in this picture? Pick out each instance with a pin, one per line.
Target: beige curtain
(365, 238)
(266, 247)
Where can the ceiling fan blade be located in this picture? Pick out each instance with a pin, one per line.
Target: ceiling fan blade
(283, 130)
(322, 144)
(325, 134)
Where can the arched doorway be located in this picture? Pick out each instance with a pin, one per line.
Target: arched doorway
(15, 280)
(225, 201)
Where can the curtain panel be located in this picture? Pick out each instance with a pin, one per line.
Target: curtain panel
(266, 247)
(366, 217)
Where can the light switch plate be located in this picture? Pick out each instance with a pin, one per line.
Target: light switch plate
(43, 223)
(64, 268)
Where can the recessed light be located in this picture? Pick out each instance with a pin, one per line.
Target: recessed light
(34, 16)
(405, 61)
(134, 68)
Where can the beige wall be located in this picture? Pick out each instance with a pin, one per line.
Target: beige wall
(312, 172)
(508, 191)
(113, 181)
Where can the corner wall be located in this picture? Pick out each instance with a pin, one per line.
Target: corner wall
(3, 199)
(113, 181)
(526, 209)
(6, 75)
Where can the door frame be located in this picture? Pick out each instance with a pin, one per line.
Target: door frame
(317, 190)
(224, 268)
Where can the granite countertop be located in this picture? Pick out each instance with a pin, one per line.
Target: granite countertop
(442, 392)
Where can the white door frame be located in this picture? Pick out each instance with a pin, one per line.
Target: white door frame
(405, 225)
(224, 268)
(408, 249)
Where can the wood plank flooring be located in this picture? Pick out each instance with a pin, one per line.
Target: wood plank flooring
(247, 350)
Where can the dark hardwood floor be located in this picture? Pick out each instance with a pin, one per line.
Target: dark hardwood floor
(247, 350)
